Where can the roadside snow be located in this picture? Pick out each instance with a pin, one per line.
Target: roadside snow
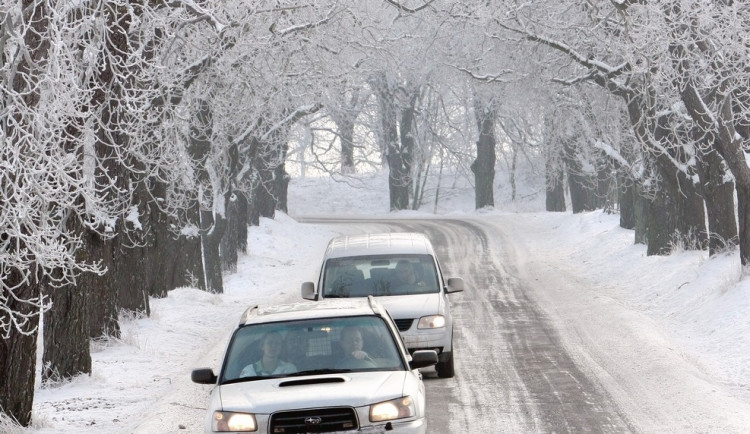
(666, 335)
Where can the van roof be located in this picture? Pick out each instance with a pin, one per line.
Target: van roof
(379, 243)
(309, 310)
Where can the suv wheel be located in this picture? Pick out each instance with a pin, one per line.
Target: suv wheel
(445, 368)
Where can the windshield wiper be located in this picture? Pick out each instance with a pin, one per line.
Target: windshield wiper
(318, 372)
(243, 379)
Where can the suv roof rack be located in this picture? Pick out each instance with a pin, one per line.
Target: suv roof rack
(248, 312)
(374, 305)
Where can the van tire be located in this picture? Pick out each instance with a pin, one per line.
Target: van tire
(445, 368)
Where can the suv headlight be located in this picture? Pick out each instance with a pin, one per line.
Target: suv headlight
(398, 408)
(227, 421)
(431, 322)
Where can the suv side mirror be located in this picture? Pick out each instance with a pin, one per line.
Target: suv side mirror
(308, 291)
(454, 284)
(203, 376)
(423, 359)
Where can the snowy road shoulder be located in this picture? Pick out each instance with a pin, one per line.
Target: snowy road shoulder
(638, 323)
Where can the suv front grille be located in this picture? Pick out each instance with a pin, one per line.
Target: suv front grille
(404, 324)
(314, 420)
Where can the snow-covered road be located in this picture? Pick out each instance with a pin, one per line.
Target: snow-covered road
(552, 335)
(539, 348)
(624, 352)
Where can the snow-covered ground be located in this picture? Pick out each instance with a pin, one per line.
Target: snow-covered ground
(702, 305)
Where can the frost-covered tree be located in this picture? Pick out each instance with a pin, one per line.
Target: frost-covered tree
(49, 193)
(599, 39)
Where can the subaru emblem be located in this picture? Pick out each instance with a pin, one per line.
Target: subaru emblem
(313, 420)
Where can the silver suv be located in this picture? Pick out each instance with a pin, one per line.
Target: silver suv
(333, 366)
(402, 270)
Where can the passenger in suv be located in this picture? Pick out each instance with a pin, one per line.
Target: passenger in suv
(384, 394)
(402, 270)
(271, 362)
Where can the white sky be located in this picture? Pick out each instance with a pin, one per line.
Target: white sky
(700, 306)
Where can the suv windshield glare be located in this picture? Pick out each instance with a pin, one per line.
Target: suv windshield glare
(294, 348)
(360, 276)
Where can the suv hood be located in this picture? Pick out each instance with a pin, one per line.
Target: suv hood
(412, 306)
(353, 389)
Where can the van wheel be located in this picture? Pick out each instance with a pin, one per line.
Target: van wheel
(445, 368)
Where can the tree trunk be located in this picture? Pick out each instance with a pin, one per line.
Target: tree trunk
(18, 351)
(640, 213)
(581, 186)
(692, 216)
(168, 257)
(66, 335)
(280, 176)
(398, 188)
(213, 223)
(242, 222)
(188, 262)
(131, 290)
(398, 177)
(718, 192)
(18, 354)
(234, 239)
(581, 193)
(512, 176)
(729, 145)
(555, 197)
(604, 199)
(164, 255)
(264, 202)
(346, 135)
(103, 303)
(439, 182)
(676, 214)
(555, 187)
(67, 324)
(691, 210)
(253, 209)
(722, 125)
(626, 199)
(212, 230)
(661, 224)
(743, 216)
(230, 240)
(102, 290)
(483, 166)
(282, 188)
(408, 144)
(119, 287)
(400, 161)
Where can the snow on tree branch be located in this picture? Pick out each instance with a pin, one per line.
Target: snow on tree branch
(201, 14)
(401, 7)
(301, 27)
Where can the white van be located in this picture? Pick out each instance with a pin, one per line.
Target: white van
(402, 270)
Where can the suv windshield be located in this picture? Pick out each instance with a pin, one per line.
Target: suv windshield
(296, 348)
(359, 276)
